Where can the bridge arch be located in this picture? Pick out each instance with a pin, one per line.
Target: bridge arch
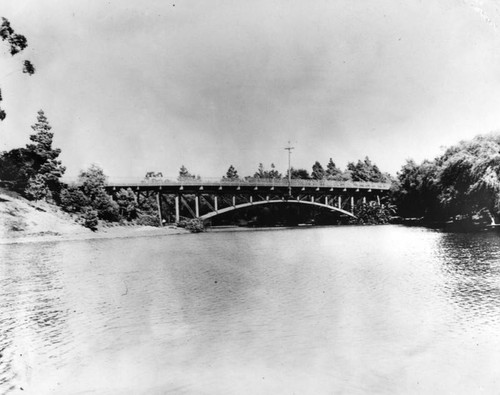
(258, 203)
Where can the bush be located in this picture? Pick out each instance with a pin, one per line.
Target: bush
(73, 200)
(148, 220)
(90, 219)
(194, 225)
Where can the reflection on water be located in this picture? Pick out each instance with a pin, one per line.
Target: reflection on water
(472, 267)
(318, 310)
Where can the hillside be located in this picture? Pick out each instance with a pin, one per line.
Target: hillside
(20, 218)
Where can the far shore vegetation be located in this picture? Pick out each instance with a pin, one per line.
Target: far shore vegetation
(460, 185)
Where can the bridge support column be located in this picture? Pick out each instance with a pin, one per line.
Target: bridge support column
(234, 201)
(312, 199)
(158, 202)
(267, 197)
(251, 199)
(197, 206)
(326, 200)
(177, 214)
(215, 204)
(352, 204)
(339, 202)
(364, 199)
(378, 200)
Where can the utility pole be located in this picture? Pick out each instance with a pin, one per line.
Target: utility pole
(289, 149)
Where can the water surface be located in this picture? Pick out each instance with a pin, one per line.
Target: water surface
(344, 310)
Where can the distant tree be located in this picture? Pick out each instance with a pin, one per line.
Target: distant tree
(318, 173)
(262, 173)
(185, 174)
(333, 172)
(273, 173)
(231, 174)
(302, 174)
(16, 43)
(365, 171)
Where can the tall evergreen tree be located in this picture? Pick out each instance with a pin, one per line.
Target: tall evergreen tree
(232, 173)
(318, 173)
(185, 174)
(333, 172)
(46, 168)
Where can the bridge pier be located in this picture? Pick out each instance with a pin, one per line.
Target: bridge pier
(352, 204)
(216, 204)
(197, 205)
(158, 202)
(177, 213)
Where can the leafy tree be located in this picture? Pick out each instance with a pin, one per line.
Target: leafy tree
(16, 43)
(318, 173)
(365, 171)
(231, 174)
(302, 174)
(93, 182)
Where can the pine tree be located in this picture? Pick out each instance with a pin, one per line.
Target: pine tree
(185, 174)
(231, 174)
(318, 173)
(46, 169)
(332, 171)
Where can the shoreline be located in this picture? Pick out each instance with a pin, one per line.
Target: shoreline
(116, 232)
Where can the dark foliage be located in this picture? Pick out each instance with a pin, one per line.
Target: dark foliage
(28, 68)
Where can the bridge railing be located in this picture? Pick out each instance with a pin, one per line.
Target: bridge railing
(248, 181)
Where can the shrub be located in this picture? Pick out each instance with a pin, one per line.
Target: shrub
(194, 225)
(148, 220)
(90, 219)
(73, 200)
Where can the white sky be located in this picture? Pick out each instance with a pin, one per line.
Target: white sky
(138, 86)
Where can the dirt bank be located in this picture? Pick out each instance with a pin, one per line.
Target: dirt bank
(23, 221)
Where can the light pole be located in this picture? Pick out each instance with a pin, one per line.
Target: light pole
(289, 148)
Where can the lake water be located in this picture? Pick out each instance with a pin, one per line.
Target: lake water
(334, 310)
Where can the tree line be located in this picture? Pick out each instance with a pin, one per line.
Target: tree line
(362, 170)
(462, 184)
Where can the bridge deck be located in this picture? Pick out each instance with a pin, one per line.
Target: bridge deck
(242, 184)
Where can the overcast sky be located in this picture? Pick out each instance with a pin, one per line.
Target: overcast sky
(138, 86)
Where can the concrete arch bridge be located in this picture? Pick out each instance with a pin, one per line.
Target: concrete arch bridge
(206, 198)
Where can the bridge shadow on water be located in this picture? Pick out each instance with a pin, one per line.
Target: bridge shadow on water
(283, 214)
